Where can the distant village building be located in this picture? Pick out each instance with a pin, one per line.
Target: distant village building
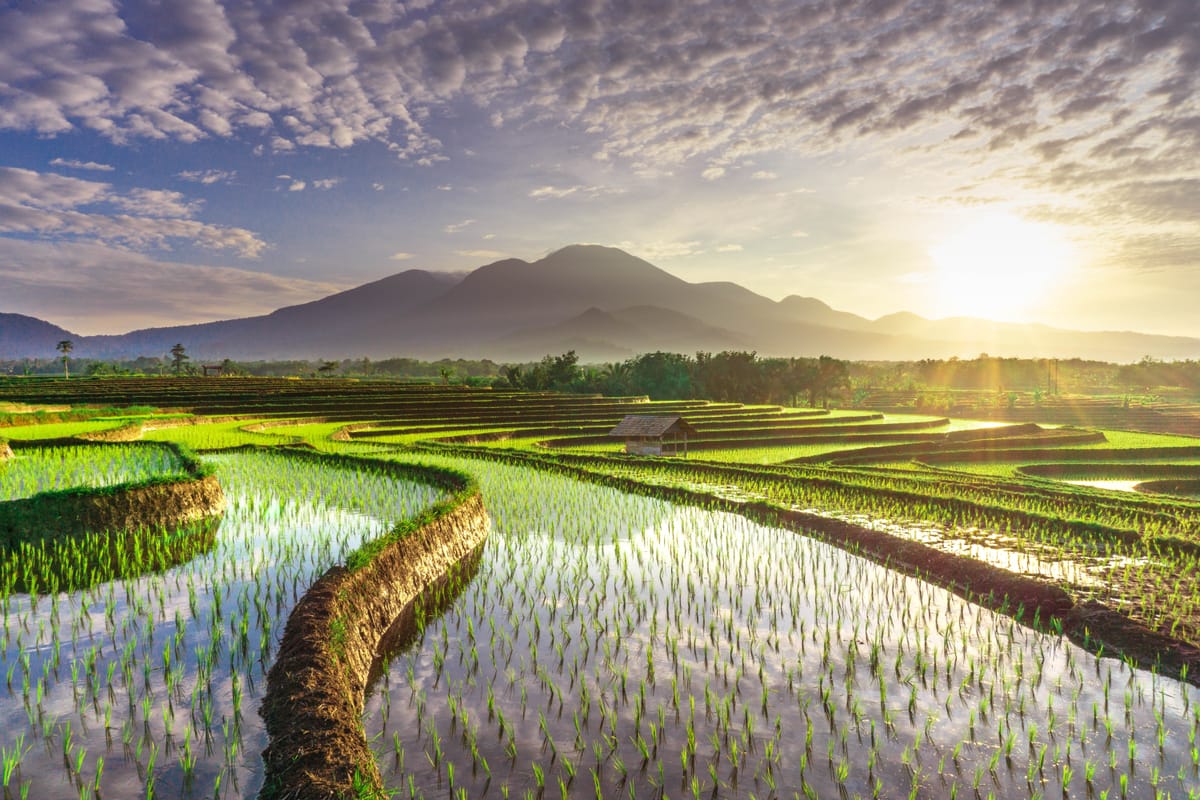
(213, 369)
(654, 436)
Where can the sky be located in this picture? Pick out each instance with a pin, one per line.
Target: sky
(172, 161)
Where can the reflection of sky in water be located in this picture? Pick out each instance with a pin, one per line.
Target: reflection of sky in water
(286, 523)
(1113, 485)
(730, 610)
(1012, 554)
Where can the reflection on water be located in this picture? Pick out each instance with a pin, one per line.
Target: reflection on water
(79, 562)
(148, 685)
(643, 649)
(1110, 485)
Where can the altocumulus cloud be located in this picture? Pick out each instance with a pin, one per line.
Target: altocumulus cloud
(1069, 98)
(662, 81)
(50, 205)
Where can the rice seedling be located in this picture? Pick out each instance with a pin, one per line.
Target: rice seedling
(153, 676)
(47, 469)
(620, 621)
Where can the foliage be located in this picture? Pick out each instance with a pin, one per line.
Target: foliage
(179, 357)
(738, 376)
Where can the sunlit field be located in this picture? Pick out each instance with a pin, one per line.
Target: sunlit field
(647, 640)
(149, 686)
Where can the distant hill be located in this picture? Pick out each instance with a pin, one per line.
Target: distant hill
(360, 321)
(600, 301)
(30, 337)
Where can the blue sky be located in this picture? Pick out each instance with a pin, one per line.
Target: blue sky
(166, 161)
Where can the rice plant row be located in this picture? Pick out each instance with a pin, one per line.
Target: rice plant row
(618, 646)
(46, 469)
(148, 685)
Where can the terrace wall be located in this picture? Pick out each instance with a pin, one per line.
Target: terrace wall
(315, 690)
(153, 504)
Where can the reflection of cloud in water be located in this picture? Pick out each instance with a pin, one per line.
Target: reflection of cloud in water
(715, 605)
(272, 544)
(1112, 486)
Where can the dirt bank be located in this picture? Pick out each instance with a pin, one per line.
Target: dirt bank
(57, 515)
(315, 690)
(1096, 627)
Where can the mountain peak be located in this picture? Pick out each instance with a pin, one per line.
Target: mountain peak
(796, 301)
(608, 301)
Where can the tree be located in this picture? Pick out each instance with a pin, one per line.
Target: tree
(513, 376)
(731, 375)
(178, 357)
(65, 347)
(446, 373)
(562, 371)
(661, 376)
(832, 378)
(327, 367)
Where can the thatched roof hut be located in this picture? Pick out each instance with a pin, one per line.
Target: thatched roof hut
(653, 436)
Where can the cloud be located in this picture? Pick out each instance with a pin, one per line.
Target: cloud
(207, 176)
(492, 254)
(729, 248)
(764, 175)
(56, 206)
(579, 190)
(1050, 92)
(297, 186)
(72, 163)
(653, 81)
(554, 191)
(663, 250)
(456, 227)
(326, 183)
(401, 256)
(95, 288)
(157, 203)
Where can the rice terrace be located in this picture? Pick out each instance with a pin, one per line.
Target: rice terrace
(240, 587)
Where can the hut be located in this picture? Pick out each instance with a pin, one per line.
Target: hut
(653, 436)
(213, 369)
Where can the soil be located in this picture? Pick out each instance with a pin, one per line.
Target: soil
(315, 690)
(159, 506)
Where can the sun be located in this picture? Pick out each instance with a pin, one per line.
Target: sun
(1000, 266)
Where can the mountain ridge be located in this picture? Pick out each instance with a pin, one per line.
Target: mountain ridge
(602, 301)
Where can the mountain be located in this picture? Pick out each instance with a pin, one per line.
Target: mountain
(617, 335)
(817, 312)
(602, 302)
(29, 337)
(360, 321)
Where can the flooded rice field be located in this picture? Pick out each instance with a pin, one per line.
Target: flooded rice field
(149, 686)
(609, 645)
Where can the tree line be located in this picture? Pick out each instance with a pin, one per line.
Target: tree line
(736, 376)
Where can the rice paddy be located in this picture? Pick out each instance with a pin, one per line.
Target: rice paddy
(619, 646)
(608, 644)
(47, 469)
(148, 686)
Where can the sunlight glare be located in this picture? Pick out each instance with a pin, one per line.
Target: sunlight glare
(1000, 267)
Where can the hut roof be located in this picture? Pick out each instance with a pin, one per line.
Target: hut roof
(639, 425)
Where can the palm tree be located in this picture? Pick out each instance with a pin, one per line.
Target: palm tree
(178, 357)
(65, 347)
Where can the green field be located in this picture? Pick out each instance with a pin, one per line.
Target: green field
(640, 625)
